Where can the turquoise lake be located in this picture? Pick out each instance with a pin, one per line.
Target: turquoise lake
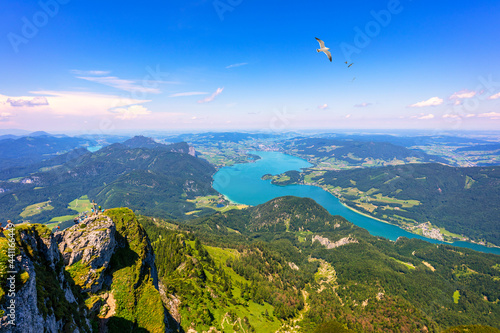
(242, 184)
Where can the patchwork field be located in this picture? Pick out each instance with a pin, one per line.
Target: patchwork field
(36, 209)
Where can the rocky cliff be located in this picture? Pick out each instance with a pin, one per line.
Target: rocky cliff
(45, 296)
(99, 276)
(88, 246)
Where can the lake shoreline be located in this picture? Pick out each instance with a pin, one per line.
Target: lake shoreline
(242, 184)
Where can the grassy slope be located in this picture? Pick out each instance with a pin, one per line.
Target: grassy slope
(138, 302)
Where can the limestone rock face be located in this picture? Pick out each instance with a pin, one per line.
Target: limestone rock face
(192, 152)
(90, 244)
(331, 245)
(39, 262)
(60, 282)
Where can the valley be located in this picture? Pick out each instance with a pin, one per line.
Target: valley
(198, 251)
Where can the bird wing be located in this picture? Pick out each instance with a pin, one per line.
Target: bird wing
(350, 65)
(328, 54)
(321, 43)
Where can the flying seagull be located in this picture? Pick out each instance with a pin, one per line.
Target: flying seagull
(323, 48)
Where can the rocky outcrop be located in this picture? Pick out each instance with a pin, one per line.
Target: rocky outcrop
(192, 152)
(331, 245)
(45, 301)
(89, 244)
(107, 259)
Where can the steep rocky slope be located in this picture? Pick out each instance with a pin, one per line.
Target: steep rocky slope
(98, 275)
(45, 297)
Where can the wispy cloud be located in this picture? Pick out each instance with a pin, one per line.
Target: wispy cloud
(362, 105)
(463, 94)
(323, 107)
(131, 112)
(348, 116)
(457, 116)
(426, 117)
(491, 115)
(35, 101)
(4, 116)
(189, 93)
(80, 72)
(65, 103)
(496, 96)
(122, 84)
(434, 101)
(211, 97)
(237, 65)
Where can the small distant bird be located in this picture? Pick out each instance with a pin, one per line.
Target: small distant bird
(350, 64)
(323, 48)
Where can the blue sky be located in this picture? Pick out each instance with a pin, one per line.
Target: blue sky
(73, 65)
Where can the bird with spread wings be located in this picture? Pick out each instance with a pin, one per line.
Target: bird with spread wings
(323, 48)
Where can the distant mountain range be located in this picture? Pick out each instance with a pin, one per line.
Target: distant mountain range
(355, 152)
(215, 137)
(408, 141)
(483, 147)
(21, 152)
(153, 181)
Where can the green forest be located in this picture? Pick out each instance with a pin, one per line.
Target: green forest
(156, 181)
(264, 266)
(462, 200)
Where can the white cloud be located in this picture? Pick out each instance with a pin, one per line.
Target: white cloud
(427, 116)
(189, 93)
(4, 116)
(496, 96)
(131, 112)
(434, 101)
(80, 72)
(451, 116)
(491, 115)
(237, 65)
(67, 103)
(323, 107)
(127, 85)
(27, 101)
(463, 94)
(362, 105)
(348, 116)
(211, 97)
(469, 115)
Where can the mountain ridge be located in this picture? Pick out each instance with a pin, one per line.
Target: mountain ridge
(71, 277)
